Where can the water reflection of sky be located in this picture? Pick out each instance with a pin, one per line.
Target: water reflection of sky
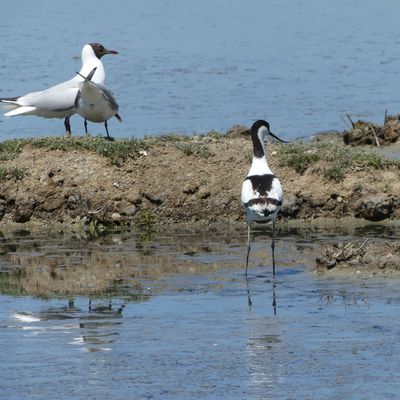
(195, 66)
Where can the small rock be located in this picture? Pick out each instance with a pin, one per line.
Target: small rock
(154, 198)
(52, 203)
(134, 197)
(339, 199)
(117, 196)
(204, 193)
(72, 199)
(190, 188)
(24, 211)
(129, 211)
(237, 131)
(116, 184)
(59, 180)
(374, 208)
(330, 264)
(115, 216)
(121, 205)
(22, 216)
(291, 206)
(44, 178)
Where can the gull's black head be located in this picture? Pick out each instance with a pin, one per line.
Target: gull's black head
(100, 50)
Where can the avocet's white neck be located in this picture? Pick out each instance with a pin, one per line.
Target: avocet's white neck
(259, 166)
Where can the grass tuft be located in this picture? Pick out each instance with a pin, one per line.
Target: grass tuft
(117, 152)
(298, 156)
(10, 149)
(194, 149)
(334, 161)
(15, 173)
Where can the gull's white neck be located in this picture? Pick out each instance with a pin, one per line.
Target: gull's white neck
(90, 61)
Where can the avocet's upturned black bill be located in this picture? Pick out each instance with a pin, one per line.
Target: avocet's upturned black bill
(262, 193)
(94, 102)
(59, 101)
(277, 138)
(262, 122)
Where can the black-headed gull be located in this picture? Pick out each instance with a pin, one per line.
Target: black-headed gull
(59, 101)
(95, 102)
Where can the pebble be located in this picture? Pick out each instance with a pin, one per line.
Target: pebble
(115, 216)
(131, 210)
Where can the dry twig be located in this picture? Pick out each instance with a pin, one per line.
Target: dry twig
(376, 137)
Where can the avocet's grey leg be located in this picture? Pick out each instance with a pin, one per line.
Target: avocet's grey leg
(273, 247)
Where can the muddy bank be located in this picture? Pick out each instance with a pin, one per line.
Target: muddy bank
(368, 133)
(178, 179)
(364, 258)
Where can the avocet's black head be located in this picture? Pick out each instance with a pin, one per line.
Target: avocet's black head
(100, 50)
(262, 123)
(258, 124)
(259, 130)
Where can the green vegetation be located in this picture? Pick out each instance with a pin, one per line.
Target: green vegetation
(334, 161)
(14, 173)
(10, 149)
(176, 137)
(216, 135)
(169, 137)
(194, 149)
(335, 173)
(298, 156)
(146, 220)
(117, 151)
(189, 145)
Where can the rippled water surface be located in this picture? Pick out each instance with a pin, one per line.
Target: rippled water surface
(165, 316)
(193, 66)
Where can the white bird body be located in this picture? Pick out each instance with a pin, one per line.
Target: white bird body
(59, 101)
(262, 193)
(55, 102)
(95, 102)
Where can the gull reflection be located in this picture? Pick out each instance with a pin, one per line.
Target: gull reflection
(95, 327)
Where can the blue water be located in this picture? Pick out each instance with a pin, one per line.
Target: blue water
(191, 334)
(189, 66)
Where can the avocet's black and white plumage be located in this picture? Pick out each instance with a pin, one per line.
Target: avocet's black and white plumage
(58, 101)
(95, 102)
(262, 193)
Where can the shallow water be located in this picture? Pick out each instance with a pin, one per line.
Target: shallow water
(169, 319)
(189, 66)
